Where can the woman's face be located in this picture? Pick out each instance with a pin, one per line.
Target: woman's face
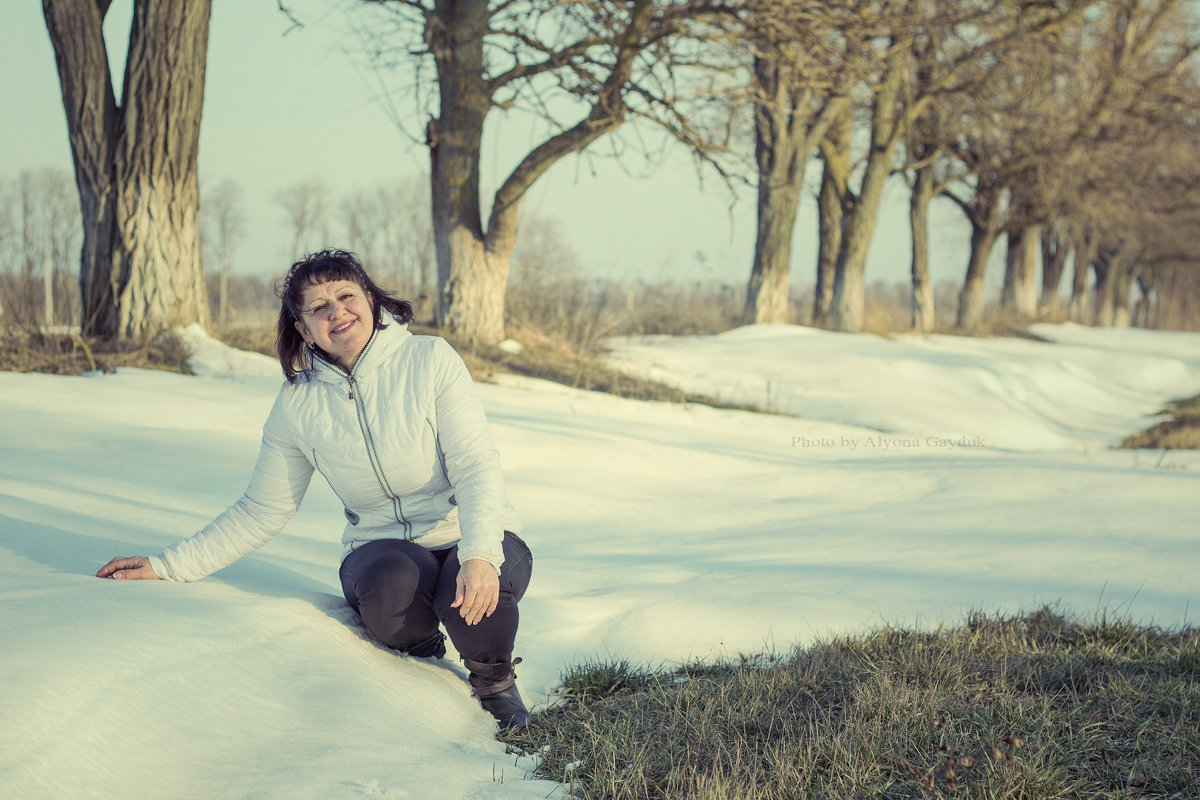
(336, 317)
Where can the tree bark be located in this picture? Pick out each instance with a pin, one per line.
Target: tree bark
(787, 129)
(849, 291)
(454, 140)
(918, 213)
(1142, 308)
(983, 213)
(135, 164)
(1122, 285)
(832, 201)
(1054, 261)
(1105, 268)
(781, 161)
(1084, 255)
(1019, 295)
(970, 297)
(473, 262)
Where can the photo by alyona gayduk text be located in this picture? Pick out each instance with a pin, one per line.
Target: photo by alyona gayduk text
(882, 443)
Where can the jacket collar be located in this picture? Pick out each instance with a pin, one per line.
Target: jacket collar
(380, 348)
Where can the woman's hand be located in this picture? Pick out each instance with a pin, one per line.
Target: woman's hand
(477, 590)
(134, 568)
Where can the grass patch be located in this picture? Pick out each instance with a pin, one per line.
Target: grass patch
(72, 354)
(554, 359)
(1180, 431)
(1037, 706)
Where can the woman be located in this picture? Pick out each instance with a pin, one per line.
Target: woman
(393, 423)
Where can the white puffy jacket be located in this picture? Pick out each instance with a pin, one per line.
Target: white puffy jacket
(402, 441)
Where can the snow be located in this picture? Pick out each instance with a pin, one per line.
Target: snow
(917, 478)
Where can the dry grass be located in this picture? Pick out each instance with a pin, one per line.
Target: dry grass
(1031, 707)
(542, 356)
(554, 359)
(1181, 431)
(71, 354)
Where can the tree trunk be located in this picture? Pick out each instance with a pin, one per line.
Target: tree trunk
(1085, 254)
(1142, 308)
(970, 298)
(787, 129)
(983, 213)
(1105, 267)
(780, 164)
(468, 290)
(223, 290)
(832, 201)
(849, 291)
(1054, 260)
(47, 289)
(473, 263)
(135, 164)
(1019, 295)
(918, 214)
(1122, 285)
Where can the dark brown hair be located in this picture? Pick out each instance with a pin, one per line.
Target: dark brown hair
(313, 269)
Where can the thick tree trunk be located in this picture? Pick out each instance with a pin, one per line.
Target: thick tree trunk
(984, 216)
(1142, 308)
(473, 263)
(1122, 286)
(831, 215)
(781, 164)
(970, 298)
(1019, 295)
(93, 123)
(473, 296)
(454, 138)
(1105, 268)
(1054, 261)
(849, 291)
(1085, 254)
(918, 215)
(787, 129)
(135, 165)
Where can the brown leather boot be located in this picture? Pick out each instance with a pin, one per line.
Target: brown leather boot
(495, 686)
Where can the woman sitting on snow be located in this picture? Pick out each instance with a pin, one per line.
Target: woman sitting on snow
(393, 423)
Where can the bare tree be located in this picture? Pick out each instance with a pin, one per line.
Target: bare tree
(305, 206)
(223, 223)
(963, 36)
(135, 162)
(806, 59)
(586, 67)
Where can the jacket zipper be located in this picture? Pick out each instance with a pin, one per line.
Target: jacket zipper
(372, 456)
(317, 463)
(441, 454)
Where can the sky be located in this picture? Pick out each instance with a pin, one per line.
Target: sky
(913, 480)
(285, 105)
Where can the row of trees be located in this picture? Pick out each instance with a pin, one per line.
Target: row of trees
(1066, 127)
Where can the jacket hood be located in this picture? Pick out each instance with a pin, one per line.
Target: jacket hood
(382, 345)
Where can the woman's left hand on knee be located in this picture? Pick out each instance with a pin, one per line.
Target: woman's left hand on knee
(477, 590)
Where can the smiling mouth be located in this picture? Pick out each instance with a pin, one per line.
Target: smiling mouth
(342, 328)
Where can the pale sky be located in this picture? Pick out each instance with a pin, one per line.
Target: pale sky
(280, 109)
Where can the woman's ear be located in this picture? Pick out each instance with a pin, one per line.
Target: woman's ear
(302, 330)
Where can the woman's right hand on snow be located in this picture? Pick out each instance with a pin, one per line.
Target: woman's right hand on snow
(133, 568)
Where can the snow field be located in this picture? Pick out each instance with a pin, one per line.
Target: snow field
(919, 478)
